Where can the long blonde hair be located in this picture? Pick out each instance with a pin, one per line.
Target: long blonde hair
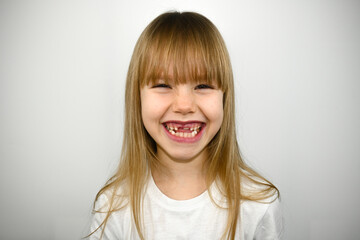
(194, 48)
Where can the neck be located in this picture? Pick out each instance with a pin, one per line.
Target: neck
(178, 179)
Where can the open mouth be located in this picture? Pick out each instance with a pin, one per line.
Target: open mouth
(184, 130)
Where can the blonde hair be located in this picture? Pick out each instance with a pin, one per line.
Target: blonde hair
(195, 50)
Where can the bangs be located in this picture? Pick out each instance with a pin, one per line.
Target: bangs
(183, 49)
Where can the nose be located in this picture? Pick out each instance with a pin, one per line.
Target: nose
(184, 101)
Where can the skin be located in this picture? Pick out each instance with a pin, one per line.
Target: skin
(182, 176)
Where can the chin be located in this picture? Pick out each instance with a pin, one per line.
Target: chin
(183, 156)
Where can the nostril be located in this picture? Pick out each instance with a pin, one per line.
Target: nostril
(184, 106)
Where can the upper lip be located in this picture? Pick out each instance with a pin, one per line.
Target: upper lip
(183, 122)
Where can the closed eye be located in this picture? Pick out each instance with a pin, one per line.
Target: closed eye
(161, 85)
(204, 86)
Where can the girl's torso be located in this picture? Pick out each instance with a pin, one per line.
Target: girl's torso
(198, 218)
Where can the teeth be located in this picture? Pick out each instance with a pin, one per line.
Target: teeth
(173, 130)
(184, 135)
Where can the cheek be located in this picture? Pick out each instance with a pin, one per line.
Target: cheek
(145, 111)
(152, 108)
(144, 107)
(214, 109)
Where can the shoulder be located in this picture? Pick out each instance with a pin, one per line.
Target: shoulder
(255, 187)
(262, 218)
(111, 216)
(111, 198)
(256, 210)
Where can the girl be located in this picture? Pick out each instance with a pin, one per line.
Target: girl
(181, 175)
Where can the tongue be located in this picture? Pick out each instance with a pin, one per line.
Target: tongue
(187, 125)
(178, 125)
(184, 129)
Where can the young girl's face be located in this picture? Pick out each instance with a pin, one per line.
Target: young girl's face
(181, 118)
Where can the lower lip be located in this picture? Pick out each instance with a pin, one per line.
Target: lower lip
(183, 139)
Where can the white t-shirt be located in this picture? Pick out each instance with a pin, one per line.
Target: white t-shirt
(197, 218)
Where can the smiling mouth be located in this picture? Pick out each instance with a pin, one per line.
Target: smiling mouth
(184, 130)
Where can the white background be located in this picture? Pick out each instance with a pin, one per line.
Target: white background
(62, 74)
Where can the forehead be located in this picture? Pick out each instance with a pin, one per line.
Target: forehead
(180, 67)
(182, 50)
(179, 76)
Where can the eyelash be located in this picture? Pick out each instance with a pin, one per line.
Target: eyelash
(200, 86)
(203, 86)
(161, 85)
